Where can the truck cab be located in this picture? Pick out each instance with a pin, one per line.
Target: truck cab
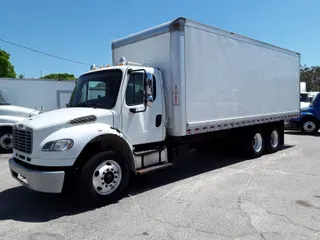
(114, 125)
(309, 119)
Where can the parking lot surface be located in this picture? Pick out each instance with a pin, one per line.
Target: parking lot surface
(216, 196)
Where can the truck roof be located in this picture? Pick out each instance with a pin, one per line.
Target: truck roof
(179, 24)
(121, 67)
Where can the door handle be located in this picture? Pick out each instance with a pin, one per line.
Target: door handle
(158, 120)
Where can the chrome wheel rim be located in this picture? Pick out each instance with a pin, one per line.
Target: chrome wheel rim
(257, 142)
(274, 139)
(309, 126)
(6, 141)
(107, 177)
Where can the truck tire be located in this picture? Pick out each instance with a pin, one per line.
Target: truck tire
(103, 178)
(6, 143)
(309, 126)
(272, 140)
(254, 144)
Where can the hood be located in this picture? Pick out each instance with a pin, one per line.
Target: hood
(16, 111)
(309, 109)
(67, 117)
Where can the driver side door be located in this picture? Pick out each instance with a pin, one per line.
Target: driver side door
(141, 127)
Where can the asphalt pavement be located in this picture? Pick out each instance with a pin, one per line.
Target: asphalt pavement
(214, 196)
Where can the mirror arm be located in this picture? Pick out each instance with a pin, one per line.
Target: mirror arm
(134, 110)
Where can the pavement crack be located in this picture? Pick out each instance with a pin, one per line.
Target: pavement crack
(284, 218)
(65, 221)
(189, 226)
(247, 183)
(249, 219)
(150, 217)
(245, 197)
(289, 220)
(206, 232)
(287, 172)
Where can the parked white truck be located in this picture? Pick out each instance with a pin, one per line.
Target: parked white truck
(22, 98)
(9, 115)
(47, 94)
(195, 83)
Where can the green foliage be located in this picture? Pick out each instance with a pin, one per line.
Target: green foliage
(60, 76)
(310, 75)
(6, 68)
(21, 76)
(100, 85)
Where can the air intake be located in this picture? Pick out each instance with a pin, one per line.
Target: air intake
(85, 119)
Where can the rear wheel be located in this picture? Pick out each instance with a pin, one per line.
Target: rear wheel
(309, 126)
(254, 144)
(6, 142)
(272, 140)
(104, 177)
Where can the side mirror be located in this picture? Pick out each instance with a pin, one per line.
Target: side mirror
(149, 89)
(67, 105)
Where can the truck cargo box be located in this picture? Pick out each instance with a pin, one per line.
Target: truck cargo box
(37, 93)
(216, 79)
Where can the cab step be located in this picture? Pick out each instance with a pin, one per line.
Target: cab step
(154, 168)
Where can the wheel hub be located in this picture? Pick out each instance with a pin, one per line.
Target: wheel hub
(257, 142)
(6, 141)
(274, 139)
(309, 126)
(107, 177)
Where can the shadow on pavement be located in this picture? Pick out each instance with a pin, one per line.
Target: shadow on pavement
(195, 164)
(22, 204)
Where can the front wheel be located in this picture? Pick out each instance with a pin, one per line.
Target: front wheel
(309, 126)
(104, 177)
(6, 142)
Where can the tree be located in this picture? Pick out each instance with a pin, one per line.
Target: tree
(310, 75)
(6, 68)
(21, 76)
(59, 76)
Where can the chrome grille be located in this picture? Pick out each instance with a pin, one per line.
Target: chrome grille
(22, 139)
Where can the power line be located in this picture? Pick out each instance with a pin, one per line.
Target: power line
(48, 54)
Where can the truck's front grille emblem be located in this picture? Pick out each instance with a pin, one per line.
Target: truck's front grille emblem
(22, 139)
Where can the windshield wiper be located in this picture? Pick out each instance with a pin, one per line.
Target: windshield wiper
(82, 104)
(87, 104)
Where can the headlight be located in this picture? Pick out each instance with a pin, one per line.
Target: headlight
(58, 145)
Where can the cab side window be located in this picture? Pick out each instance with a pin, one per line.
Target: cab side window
(135, 90)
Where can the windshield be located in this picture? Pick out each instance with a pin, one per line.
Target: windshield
(98, 89)
(304, 97)
(315, 100)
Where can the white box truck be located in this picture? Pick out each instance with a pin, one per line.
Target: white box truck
(170, 87)
(46, 94)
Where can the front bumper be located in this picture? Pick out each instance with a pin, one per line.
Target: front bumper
(38, 180)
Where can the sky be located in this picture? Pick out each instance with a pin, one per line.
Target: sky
(83, 30)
